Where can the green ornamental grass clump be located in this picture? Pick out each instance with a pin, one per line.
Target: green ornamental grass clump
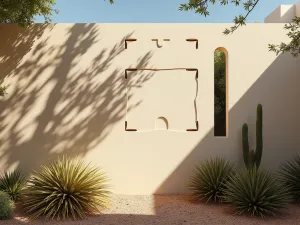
(13, 184)
(209, 178)
(66, 188)
(256, 192)
(290, 176)
(6, 206)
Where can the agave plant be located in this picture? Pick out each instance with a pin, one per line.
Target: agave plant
(256, 192)
(290, 176)
(66, 188)
(209, 178)
(12, 183)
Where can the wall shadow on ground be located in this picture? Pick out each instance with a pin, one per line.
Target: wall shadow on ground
(60, 127)
(279, 93)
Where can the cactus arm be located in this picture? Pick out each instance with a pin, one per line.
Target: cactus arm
(245, 144)
(251, 159)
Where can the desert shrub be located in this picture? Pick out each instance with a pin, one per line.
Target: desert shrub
(12, 183)
(209, 178)
(290, 176)
(256, 192)
(66, 188)
(6, 206)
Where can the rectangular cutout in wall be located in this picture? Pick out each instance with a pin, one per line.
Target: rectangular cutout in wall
(167, 101)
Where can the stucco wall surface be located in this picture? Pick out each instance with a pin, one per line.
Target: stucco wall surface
(68, 95)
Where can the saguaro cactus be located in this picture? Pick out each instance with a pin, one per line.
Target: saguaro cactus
(252, 157)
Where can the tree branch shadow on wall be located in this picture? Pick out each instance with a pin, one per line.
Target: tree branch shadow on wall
(15, 44)
(79, 110)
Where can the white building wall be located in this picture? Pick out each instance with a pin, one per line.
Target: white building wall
(283, 14)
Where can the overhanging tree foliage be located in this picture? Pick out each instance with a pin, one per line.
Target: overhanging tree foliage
(201, 7)
(23, 12)
(294, 34)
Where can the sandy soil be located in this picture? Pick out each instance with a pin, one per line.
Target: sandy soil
(166, 210)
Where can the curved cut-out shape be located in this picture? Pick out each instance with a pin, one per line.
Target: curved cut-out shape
(221, 118)
(161, 122)
(158, 45)
(224, 50)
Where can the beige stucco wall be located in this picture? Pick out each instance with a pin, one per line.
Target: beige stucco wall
(67, 95)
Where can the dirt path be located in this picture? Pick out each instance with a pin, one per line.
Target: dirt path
(167, 210)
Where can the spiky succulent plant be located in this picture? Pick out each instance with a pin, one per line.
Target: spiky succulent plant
(66, 188)
(209, 178)
(12, 183)
(290, 176)
(256, 192)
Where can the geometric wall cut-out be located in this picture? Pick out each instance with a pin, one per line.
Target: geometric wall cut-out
(221, 92)
(161, 123)
(158, 43)
(152, 101)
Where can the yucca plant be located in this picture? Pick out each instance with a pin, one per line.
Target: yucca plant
(290, 176)
(256, 192)
(12, 183)
(209, 178)
(66, 188)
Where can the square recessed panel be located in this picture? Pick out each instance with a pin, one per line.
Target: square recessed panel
(165, 101)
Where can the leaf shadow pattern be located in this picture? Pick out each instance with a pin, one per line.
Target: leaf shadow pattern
(80, 107)
(17, 42)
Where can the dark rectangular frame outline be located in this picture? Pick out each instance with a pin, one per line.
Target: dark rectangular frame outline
(187, 69)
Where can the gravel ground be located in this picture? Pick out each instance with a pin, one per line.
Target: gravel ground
(166, 210)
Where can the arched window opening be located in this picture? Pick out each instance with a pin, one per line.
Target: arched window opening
(161, 123)
(220, 92)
